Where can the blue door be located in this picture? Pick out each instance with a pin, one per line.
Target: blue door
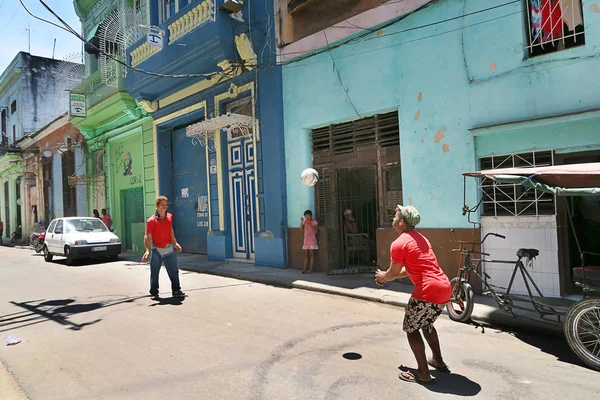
(189, 205)
(242, 196)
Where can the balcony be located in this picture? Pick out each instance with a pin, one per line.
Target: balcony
(195, 40)
(90, 84)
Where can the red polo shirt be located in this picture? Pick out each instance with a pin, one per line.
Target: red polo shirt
(414, 251)
(161, 230)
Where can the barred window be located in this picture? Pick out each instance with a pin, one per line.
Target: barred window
(553, 25)
(500, 199)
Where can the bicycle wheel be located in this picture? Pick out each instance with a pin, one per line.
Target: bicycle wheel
(582, 331)
(460, 306)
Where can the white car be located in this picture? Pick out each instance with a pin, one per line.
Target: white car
(80, 237)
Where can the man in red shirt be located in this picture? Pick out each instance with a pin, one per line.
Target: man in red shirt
(1, 229)
(159, 231)
(411, 255)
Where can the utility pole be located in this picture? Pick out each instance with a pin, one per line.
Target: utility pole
(53, 48)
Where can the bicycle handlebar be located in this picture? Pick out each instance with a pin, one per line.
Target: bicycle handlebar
(475, 243)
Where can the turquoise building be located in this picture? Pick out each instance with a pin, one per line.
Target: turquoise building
(392, 104)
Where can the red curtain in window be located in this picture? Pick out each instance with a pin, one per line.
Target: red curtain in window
(546, 20)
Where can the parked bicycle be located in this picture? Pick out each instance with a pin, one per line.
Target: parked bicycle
(580, 319)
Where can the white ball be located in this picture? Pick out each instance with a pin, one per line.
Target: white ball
(309, 177)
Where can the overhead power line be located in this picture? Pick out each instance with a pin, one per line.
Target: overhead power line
(112, 57)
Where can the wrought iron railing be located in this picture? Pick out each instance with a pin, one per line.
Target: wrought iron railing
(90, 84)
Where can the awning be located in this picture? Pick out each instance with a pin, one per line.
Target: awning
(566, 180)
(92, 32)
(242, 124)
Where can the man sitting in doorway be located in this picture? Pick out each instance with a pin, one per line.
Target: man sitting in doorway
(350, 222)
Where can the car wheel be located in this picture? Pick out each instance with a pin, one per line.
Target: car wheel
(47, 256)
(114, 257)
(69, 256)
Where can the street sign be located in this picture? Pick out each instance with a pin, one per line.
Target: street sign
(77, 105)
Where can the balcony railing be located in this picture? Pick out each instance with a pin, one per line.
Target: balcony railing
(142, 53)
(90, 84)
(198, 16)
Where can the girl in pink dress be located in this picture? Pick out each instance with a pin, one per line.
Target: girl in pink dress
(310, 228)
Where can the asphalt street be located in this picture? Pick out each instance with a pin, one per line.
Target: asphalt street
(91, 332)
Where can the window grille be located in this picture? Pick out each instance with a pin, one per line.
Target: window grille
(500, 199)
(553, 25)
(357, 135)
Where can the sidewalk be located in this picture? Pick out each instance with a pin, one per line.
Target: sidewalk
(361, 287)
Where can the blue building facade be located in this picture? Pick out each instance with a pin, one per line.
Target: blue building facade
(472, 85)
(218, 125)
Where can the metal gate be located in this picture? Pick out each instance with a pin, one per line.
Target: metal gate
(347, 206)
(190, 194)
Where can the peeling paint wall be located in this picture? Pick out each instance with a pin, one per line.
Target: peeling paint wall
(444, 79)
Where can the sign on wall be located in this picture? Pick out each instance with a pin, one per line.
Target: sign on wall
(202, 212)
(154, 38)
(77, 105)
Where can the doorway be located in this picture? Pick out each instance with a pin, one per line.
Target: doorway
(132, 209)
(579, 226)
(242, 187)
(190, 194)
(360, 184)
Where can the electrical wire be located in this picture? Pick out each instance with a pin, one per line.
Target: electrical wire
(10, 20)
(340, 79)
(42, 19)
(112, 57)
(370, 31)
(291, 61)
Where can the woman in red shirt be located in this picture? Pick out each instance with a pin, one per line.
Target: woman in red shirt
(412, 256)
(159, 231)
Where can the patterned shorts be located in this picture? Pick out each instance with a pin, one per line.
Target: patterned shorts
(420, 314)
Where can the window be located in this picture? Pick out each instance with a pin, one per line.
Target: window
(166, 9)
(14, 134)
(553, 25)
(13, 107)
(59, 227)
(501, 199)
(362, 134)
(4, 122)
(52, 225)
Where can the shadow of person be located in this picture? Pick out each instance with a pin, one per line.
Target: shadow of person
(169, 301)
(450, 383)
(453, 383)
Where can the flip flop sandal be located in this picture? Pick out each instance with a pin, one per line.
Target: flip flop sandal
(414, 378)
(440, 369)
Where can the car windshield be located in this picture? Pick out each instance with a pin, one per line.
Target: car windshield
(85, 225)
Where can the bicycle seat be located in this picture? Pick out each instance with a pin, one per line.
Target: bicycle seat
(528, 253)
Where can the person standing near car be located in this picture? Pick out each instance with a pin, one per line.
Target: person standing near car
(159, 232)
(411, 255)
(106, 219)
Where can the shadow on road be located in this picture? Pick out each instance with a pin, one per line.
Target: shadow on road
(546, 343)
(59, 311)
(452, 383)
(449, 383)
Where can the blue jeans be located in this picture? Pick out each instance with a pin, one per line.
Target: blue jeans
(156, 261)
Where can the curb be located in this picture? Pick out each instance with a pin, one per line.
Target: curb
(515, 323)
